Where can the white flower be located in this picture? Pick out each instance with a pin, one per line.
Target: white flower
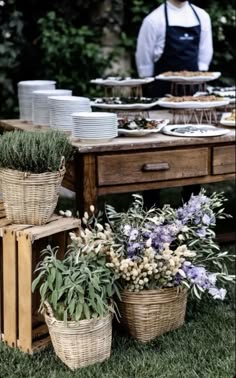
(149, 242)
(2, 3)
(223, 20)
(181, 237)
(127, 228)
(61, 212)
(185, 229)
(68, 213)
(99, 227)
(92, 208)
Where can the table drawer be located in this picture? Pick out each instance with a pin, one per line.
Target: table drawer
(223, 160)
(151, 166)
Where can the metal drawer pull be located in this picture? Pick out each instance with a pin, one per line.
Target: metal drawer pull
(155, 167)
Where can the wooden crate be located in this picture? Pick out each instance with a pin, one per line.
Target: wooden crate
(21, 326)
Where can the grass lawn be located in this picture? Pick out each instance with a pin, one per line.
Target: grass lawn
(202, 348)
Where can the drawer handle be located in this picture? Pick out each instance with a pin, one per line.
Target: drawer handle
(155, 167)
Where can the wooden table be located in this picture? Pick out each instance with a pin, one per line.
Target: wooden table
(136, 164)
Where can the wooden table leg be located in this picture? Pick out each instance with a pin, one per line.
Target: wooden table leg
(86, 185)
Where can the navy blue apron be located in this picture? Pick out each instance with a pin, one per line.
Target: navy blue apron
(180, 51)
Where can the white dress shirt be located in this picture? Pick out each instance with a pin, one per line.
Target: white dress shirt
(151, 38)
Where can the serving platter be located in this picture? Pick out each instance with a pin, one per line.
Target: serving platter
(191, 104)
(194, 130)
(119, 81)
(117, 104)
(227, 95)
(201, 78)
(142, 132)
(226, 122)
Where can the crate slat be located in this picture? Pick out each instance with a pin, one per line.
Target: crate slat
(59, 225)
(9, 287)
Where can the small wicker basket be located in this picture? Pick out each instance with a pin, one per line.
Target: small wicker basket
(30, 198)
(79, 344)
(150, 313)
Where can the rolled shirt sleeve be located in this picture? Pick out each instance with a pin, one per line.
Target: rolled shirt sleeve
(145, 49)
(206, 44)
(150, 45)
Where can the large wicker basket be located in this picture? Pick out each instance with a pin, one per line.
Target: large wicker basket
(83, 343)
(150, 313)
(30, 198)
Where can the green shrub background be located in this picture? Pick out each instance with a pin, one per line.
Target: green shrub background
(62, 40)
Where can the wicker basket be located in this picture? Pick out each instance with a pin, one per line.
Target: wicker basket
(83, 343)
(30, 198)
(150, 313)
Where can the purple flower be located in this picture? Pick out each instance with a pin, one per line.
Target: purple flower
(199, 276)
(133, 234)
(217, 293)
(206, 219)
(201, 232)
(133, 249)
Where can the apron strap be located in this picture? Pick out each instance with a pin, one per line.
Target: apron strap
(194, 11)
(166, 15)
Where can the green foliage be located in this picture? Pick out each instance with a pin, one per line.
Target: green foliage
(11, 43)
(34, 152)
(71, 55)
(79, 287)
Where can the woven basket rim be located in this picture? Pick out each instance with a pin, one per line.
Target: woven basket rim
(73, 323)
(177, 289)
(32, 174)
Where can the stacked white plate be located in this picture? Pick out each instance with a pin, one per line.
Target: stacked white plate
(40, 104)
(62, 107)
(25, 94)
(94, 127)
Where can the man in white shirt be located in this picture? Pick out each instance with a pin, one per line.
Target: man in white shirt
(175, 36)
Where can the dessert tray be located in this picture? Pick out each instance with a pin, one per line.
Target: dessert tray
(193, 130)
(140, 126)
(120, 81)
(228, 119)
(227, 92)
(192, 102)
(124, 102)
(189, 76)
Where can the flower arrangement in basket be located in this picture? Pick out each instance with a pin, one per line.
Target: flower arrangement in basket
(32, 166)
(161, 255)
(76, 295)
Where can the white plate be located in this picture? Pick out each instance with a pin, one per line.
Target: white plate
(192, 104)
(93, 141)
(119, 83)
(192, 79)
(226, 122)
(212, 131)
(143, 132)
(124, 106)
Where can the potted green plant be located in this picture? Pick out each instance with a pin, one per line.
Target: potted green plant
(32, 166)
(161, 255)
(76, 296)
